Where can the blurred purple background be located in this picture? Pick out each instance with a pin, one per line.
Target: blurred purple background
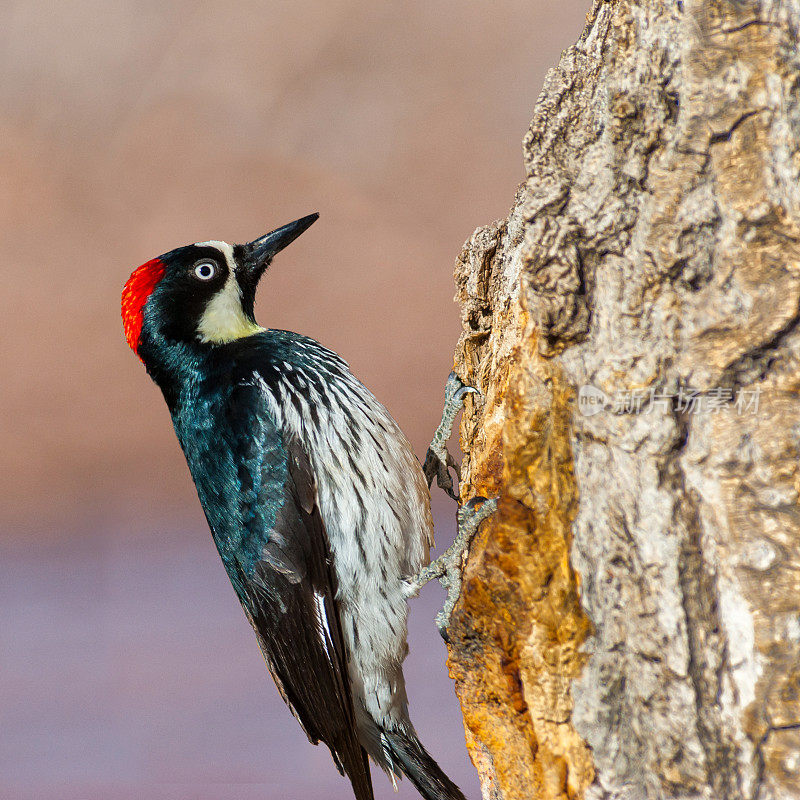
(127, 669)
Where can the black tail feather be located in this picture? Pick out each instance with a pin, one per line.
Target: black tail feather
(415, 761)
(358, 771)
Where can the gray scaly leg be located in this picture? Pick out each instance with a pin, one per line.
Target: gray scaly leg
(438, 462)
(448, 567)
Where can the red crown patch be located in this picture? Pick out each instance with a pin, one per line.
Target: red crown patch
(137, 289)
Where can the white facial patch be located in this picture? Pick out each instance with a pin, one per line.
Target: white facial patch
(224, 319)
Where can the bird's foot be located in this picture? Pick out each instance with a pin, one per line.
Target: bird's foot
(448, 567)
(438, 460)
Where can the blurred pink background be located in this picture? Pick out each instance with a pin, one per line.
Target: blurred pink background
(126, 667)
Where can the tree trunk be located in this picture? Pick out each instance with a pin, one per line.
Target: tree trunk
(629, 620)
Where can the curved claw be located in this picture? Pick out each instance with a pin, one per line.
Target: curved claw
(434, 467)
(471, 504)
(455, 389)
(463, 391)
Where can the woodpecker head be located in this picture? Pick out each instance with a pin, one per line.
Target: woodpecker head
(202, 294)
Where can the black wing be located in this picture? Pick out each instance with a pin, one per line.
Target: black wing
(288, 593)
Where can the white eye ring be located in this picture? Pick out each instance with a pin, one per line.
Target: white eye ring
(205, 270)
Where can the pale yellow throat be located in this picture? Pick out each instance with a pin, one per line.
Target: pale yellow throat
(224, 320)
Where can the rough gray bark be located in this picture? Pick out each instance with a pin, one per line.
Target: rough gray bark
(629, 623)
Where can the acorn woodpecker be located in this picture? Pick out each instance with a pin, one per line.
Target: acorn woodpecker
(317, 505)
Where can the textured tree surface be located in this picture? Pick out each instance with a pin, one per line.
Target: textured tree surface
(629, 620)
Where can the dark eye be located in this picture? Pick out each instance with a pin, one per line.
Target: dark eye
(205, 270)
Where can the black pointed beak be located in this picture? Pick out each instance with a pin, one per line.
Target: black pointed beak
(258, 253)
